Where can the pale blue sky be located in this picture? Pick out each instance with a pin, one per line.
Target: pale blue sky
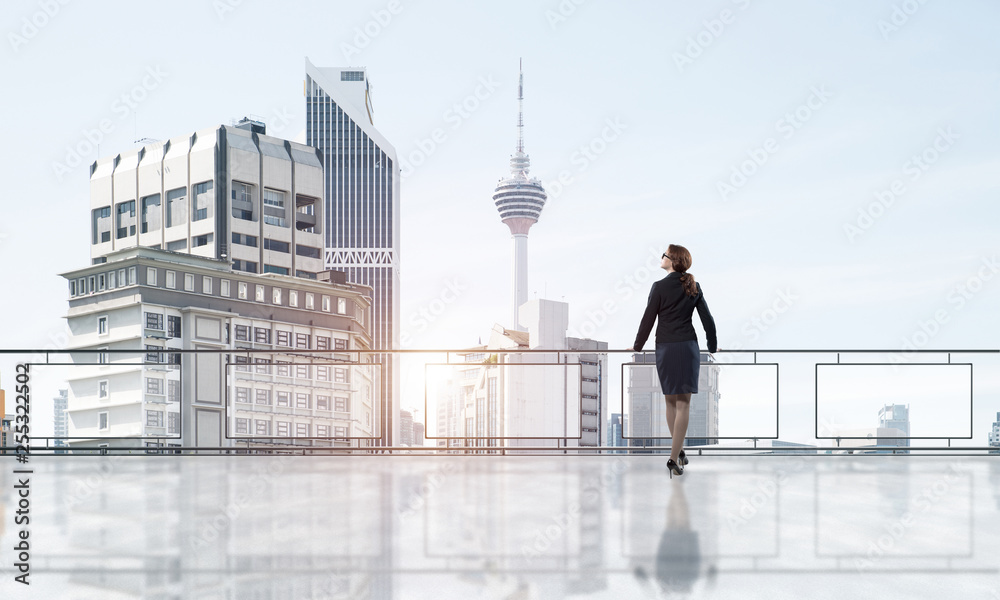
(884, 96)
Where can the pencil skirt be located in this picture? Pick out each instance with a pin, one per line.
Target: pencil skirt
(678, 365)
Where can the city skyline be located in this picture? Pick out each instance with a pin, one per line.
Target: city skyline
(656, 139)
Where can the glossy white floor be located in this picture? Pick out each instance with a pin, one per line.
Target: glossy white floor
(546, 527)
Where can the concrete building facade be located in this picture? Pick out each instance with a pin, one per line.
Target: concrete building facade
(262, 367)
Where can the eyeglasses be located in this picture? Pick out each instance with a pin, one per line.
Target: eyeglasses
(665, 256)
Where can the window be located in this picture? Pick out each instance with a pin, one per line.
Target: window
(259, 293)
(263, 366)
(154, 321)
(100, 282)
(150, 213)
(308, 251)
(206, 285)
(340, 404)
(242, 363)
(72, 287)
(262, 427)
(188, 282)
(154, 385)
(102, 420)
(283, 398)
(322, 373)
(275, 245)
(154, 356)
(274, 208)
(340, 344)
(352, 75)
(101, 225)
(302, 371)
(102, 389)
(154, 418)
(203, 202)
(177, 245)
(322, 431)
(342, 306)
(322, 402)
(173, 422)
(171, 280)
(275, 295)
(340, 432)
(245, 240)
(275, 269)
(102, 356)
(102, 325)
(224, 288)
(176, 207)
(340, 375)
(322, 342)
(242, 425)
(302, 341)
(92, 284)
(243, 395)
(310, 301)
(281, 428)
(242, 333)
(302, 430)
(262, 396)
(262, 335)
(125, 219)
(173, 326)
(242, 201)
(247, 266)
(150, 276)
(304, 274)
(111, 280)
(173, 390)
(284, 338)
(293, 298)
(241, 290)
(326, 304)
(284, 368)
(131, 276)
(201, 240)
(302, 401)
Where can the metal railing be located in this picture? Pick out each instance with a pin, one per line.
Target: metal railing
(252, 445)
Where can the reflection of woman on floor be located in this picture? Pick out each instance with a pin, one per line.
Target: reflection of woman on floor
(678, 557)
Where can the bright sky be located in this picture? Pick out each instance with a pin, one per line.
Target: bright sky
(760, 135)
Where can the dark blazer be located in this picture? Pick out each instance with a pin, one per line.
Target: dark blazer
(669, 305)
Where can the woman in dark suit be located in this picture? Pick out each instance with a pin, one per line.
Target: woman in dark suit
(671, 302)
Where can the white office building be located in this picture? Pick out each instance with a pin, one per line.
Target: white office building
(260, 362)
(226, 192)
(531, 399)
(361, 204)
(60, 426)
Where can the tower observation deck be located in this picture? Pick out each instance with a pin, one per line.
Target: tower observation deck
(519, 199)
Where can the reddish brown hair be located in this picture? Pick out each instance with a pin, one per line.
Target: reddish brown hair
(680, 261)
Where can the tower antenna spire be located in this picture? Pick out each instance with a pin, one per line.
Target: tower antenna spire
(520, 105)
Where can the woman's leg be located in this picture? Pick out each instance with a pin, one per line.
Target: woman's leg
(671, 412)
(682, 405)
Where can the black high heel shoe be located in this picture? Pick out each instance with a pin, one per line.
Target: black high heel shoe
(683, 458)
(674, 468)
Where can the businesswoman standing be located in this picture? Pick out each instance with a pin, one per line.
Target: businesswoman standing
(671, 302)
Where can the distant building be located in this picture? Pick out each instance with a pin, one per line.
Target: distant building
(894, 416)
(995, 436)
(418, 434)
(405, 428)
(647, 416)
(538, 404)
(60, 428)
(615, 430)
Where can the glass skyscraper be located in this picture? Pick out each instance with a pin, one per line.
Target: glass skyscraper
(361, 191)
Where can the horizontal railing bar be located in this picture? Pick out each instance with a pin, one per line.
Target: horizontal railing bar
(285, 350)
(883, 450)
